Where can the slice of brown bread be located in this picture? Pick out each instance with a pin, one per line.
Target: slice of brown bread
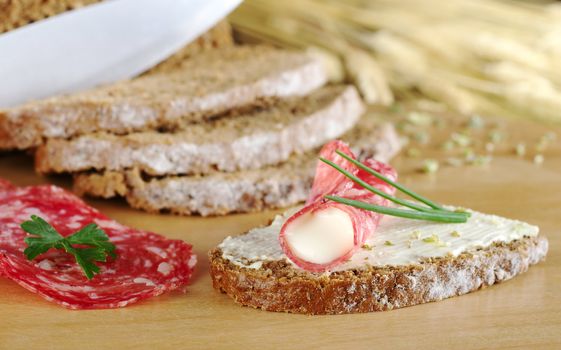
(207, 84)
(244, 191)
(262, 278)
(248, 141)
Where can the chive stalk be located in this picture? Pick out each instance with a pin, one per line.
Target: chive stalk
(434, 212)
(439, 216)
(389, 181)
(374, 190)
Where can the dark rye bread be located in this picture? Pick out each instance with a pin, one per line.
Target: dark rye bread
(221, 193)
(248, 140)
(278, 286)
(201, 87)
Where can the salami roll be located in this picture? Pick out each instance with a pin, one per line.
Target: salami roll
(339, 229)
(147, 264)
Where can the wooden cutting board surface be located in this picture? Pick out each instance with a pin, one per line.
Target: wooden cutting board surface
(524, 312)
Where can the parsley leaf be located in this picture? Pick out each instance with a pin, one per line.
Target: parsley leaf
(48, 237)
(94, 236)
(45, 237)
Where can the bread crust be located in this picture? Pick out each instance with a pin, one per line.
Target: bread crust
(219, 193)
(278, 286)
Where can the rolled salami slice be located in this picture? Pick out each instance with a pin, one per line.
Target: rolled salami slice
(326, 179)
(147, 265)
(324, 234)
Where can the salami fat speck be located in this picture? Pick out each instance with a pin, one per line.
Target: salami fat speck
(330, 181)
(147, 265)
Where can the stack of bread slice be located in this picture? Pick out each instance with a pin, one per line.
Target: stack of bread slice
(233, 129)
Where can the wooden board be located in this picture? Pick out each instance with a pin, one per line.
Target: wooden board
(524, 312)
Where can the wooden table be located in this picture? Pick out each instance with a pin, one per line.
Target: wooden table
(524, 312)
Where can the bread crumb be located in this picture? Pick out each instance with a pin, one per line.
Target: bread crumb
(421, 137)
(413, 152)
(475, 122)
(481, 160)
(461, 140)
(455, 162)
(419, 118)
(538, 159)
(496, 136)
(448, 145)
(520, 149)
(430, 166)
(550, 136)
(542, 144)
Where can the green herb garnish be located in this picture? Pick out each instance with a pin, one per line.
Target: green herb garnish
(389, 181)
(435, 215)
(45, 237)
(374, 189)
(434, 212)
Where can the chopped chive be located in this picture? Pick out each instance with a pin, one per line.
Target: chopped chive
(436, 215)
(372, 189)
(430, 166)
(394, 184)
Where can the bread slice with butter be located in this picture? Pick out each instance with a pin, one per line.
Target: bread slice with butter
(220, 193)
(208, 84)
(404, 263)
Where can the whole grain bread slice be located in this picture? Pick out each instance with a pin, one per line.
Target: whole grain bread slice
(221, 193)
(255, 273)
(248, 141)
(278, 287)
(207, 84)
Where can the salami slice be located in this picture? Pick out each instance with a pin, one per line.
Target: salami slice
(326, 179)
(5, 185)
(330, 181)
(147, 265)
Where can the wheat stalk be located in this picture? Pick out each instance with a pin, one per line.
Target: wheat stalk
(473, 55)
